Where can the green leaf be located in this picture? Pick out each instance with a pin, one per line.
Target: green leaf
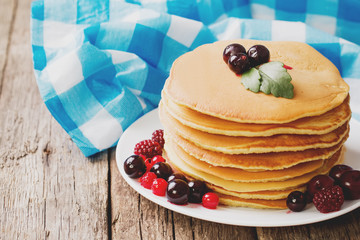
(270, 78)
(251, 80)
(276, 80)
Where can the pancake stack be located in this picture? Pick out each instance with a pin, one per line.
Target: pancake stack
(251, 148)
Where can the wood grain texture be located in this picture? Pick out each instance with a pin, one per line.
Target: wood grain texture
(7, 15)
(343, 227)
(48, 189)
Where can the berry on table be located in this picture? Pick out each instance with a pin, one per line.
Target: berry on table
(177, 192)
(134, 166)
(296, 201)
(159, 187)
(158, 136)
(232, 49)
(148, 148)
(258, 54)
(147, 179)
(210, 200)
(162, 170)
(329, 199)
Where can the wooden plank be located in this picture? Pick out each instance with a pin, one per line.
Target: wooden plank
(7, 13)
(125, 205)
(343, 227)
(210, 230)
(48, 189)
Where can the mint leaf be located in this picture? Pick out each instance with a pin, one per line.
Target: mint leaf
(251, 79)
(270, 78)
(276, 80)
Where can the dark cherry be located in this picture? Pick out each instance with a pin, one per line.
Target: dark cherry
(177, 192)
(162, 170)
(239, 63)
(337, 170)
(350, 183)
(258, 54)
(232, 49)
(177, 176)
(134, 166)
(318, 183)
(296, 201)
(197, 191)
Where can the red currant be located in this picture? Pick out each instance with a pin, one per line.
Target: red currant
(147, 179)
(159, 186)
(210, 200)
(157, 159)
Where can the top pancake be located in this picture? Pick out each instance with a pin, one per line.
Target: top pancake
(321, 124)
(202, 81)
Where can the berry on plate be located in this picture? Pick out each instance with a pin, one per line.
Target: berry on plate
(147, 179)
(350, 183)
(177, 192)
(210, 200)
(162, 170)
(148, 148)
(329, 199)
(159, 186)
(134, 166)
(296, 201)
(197, 191)
(337, 170)
(318, 183)
(177, 176)
(158, 136)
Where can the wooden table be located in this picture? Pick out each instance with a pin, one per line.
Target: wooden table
(49, 190)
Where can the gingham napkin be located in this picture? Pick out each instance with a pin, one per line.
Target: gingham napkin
(100, 65)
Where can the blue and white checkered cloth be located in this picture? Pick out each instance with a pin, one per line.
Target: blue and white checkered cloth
(100, 65)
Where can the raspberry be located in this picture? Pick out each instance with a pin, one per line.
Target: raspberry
(147, 179)
(148, 148)
(210, 200)
(159, 187)
(329, 199)
(158, 136)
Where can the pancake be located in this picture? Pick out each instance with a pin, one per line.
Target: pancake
(322, 124)
(239, 175)
(202, 81)
(180, 164)
(254, 162)
(253, 203)
(246, 145)
(268, 195)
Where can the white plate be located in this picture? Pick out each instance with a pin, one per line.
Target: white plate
(143, 128)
